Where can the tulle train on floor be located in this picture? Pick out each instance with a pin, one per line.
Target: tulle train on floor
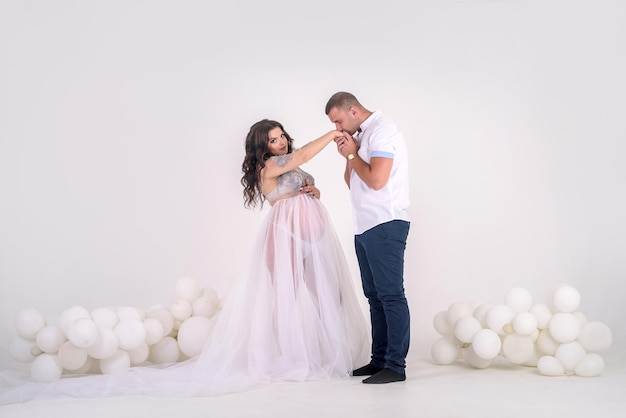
(293, 315)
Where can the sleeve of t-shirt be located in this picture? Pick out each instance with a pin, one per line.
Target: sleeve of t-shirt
(383, 142)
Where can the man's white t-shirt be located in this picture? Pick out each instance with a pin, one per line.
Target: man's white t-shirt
(379, 137)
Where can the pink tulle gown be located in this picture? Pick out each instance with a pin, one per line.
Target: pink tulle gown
(293, 315)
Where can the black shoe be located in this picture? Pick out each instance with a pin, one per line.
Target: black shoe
(367, 370)
(385, 376)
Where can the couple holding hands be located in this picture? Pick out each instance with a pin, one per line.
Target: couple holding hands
(293, 315)
(313, 313)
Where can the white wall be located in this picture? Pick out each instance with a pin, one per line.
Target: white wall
(123, 122)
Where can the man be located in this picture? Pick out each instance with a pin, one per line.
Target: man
(377, 175)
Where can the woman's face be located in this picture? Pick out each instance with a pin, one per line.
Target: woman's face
(277, 142)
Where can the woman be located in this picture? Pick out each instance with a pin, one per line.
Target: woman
(302, 289)
(292, 316)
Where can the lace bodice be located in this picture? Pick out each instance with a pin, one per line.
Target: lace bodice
(289, 184)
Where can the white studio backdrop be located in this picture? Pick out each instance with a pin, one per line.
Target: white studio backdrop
(123, 123)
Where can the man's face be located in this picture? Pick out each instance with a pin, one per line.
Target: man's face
(344, 120)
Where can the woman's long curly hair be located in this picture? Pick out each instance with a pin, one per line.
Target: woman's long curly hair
(257, 152)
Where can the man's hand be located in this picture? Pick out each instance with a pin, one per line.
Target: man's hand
(346, 144)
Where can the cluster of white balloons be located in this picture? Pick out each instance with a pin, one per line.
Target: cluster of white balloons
(554, 337)
(112, 339)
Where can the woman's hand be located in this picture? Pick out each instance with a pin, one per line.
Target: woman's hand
(310, 190)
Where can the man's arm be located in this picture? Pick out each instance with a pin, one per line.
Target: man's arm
(375, 174)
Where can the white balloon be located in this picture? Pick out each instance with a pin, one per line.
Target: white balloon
(498, 317)
(465, 328)
(519, 299)
(518, 348)
(104, 317)
(85, 368)
(546, 344)
(486, 344)
(46, 368)
(165, 351)
(569, 354)
(28, 322)
(534, 357)
(204, 306)
(164, 316)
(458, 310)
(441, 323)
(72, 357)
(565, 298)
(542, 313)
(118, 362)
(445, 350)
(70, 315)
(105, 345)
(524, 323)
(193, 334)
(129, 312)
(181, 309)
(564, 327)
(139, 355)
(469, 355)
(21, 350)
(83, 332)
(550, 366)
(131, 333)
(187, 288)
(49, 339)
(480, 313)
(154, 330)
(595, 337)
(590, 365)
(211, 293)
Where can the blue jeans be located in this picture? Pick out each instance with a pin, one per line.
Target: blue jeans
(380, 253)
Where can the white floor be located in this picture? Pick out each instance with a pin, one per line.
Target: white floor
(502, 390)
